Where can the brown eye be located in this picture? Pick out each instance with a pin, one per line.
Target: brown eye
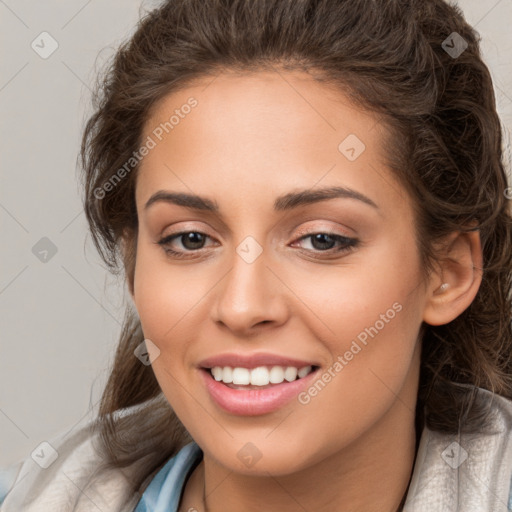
(190, 241)
(322, 241)
(325, 242)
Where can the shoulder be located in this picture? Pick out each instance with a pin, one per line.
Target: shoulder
(466, 471)
(61, 475)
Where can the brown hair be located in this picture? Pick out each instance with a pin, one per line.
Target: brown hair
(387, 56)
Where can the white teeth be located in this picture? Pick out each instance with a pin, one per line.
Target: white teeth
(259, 376)
(217, 373)
(276, 375)
(227, 375)
(241, 376)
(290, 373)
(304, 371)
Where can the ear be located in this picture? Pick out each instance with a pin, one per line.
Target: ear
(453, 287)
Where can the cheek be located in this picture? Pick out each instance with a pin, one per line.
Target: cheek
(378, 288)
(163, 293)
(370, 318)
(163, 297)
(373, 361)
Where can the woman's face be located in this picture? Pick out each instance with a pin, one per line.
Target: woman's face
(273, 273)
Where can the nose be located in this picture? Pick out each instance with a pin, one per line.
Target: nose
(250, 296)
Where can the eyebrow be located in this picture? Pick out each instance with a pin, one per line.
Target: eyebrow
(282, 203)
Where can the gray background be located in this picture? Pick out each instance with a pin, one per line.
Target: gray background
(60, 318)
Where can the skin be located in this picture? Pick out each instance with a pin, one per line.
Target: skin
(252, 138)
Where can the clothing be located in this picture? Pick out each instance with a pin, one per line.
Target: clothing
(164, 491)
(473, 475)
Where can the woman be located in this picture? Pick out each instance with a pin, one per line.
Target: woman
(309, 204)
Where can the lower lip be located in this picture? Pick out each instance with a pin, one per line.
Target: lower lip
(252, 402)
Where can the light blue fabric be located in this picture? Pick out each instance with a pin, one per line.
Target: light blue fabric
(164, 491)
(7, 478)
(509, 506)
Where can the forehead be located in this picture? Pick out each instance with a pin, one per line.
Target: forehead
(260, 132)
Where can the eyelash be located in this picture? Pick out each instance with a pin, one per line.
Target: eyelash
(350, 243)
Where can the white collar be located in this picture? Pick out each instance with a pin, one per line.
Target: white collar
(467, 473)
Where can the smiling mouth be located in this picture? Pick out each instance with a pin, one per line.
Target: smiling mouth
(261, 377)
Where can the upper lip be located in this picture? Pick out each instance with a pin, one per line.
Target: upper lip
(252, 361)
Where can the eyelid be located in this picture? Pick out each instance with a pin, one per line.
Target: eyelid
(184, 227)
(300, 233)
(322, 229)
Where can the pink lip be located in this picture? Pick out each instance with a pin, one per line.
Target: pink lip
(253, 360)
(254, 402)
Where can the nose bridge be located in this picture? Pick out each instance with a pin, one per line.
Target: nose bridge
(250, 293)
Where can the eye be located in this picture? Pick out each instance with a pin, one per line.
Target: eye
(193, 241)
(326, 242)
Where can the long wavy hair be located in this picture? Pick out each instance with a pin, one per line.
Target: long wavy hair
(388, 56)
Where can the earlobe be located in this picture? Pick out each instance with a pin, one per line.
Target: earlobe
(442, 288)
(453, 288)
